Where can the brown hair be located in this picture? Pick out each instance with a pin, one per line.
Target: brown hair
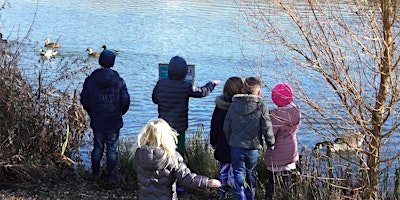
(233, 86)
(252, 85)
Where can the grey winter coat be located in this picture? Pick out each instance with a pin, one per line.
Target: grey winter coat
(157, 180)
(247, 123)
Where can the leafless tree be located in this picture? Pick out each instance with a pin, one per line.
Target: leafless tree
(341, 57)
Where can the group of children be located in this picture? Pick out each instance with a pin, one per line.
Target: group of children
(241, 126)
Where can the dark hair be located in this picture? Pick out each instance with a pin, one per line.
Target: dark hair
(233, 86)
(251, 85)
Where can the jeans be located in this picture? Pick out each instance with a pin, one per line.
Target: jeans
(244, 163)
(110, 139)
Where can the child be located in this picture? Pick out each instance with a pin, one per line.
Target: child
(218, 141)
(246, 123)
(172, 96)
(286, 121)
(159, 166)
(105, 97)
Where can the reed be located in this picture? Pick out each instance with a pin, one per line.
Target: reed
(41, 119)
(125, 164)
(199, 154)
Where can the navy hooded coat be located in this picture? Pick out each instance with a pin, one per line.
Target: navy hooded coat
(105, 97)
(172, 94)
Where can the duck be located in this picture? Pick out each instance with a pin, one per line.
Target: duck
(3, 40)
(47, 43)
(91, 53)
(105, 47)
(345, 143)
(48, 53)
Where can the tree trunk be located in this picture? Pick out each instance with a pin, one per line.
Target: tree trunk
(385, 74)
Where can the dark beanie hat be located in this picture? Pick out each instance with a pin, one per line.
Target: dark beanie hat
(107, 58)
(177, 68)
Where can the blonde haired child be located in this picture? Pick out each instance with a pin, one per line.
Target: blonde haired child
(159, 166)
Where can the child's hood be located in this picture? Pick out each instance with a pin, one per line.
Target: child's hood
(105, 77)
(223, 102)
(244, 104)
(177, 68)
(289, 115)
(151, 159)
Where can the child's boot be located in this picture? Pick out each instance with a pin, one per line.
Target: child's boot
(222, 192)
(234, 195)
(250, 193)
(269, 191)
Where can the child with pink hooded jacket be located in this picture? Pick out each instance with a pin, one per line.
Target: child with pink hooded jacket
(285, 120)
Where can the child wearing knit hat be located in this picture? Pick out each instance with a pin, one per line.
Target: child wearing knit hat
(106, 99)
(285, 118)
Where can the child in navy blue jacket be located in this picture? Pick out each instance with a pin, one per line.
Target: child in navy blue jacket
(105, 97)
(172, 96)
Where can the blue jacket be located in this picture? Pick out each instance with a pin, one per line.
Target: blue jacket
(172, 96)
(247, 124)
(105, 97)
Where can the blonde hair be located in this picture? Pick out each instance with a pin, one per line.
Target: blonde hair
(233, 86)
(252, 85)
(158, 134)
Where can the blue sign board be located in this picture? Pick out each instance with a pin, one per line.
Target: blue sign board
(163, 72)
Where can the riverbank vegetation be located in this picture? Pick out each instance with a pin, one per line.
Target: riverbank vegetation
(43, 125)
(347, 52)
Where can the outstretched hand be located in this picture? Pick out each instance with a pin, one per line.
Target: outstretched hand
(216, 82)
(214, 183)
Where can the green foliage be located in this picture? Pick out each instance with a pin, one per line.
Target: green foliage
(199, 155)
(125, 165)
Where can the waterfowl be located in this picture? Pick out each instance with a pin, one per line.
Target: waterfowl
(52, 45)
(349, 142)
(105, 47)
(48, 53)
(91, 53)
(3, 40)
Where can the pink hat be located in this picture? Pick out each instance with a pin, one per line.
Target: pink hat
(282, 94)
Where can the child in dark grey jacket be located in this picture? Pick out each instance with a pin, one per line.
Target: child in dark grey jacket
(159, 166)
(247, 124)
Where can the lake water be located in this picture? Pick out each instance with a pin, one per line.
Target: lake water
(145, 33)
(207, 34)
